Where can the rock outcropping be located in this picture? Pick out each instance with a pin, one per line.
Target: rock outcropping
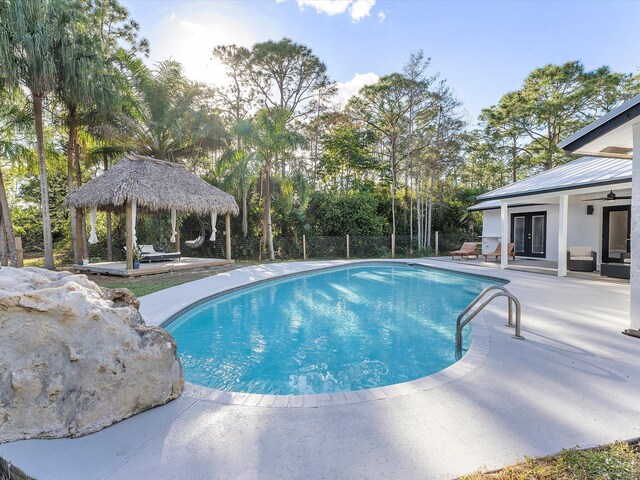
(76, 358)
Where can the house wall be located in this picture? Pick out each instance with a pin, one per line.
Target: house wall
(583, 230)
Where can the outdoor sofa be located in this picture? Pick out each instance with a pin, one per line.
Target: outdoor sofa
(149, 254)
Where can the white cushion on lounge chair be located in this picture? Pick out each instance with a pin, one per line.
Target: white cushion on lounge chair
(582, 257)
(580, 252)
(147, 249)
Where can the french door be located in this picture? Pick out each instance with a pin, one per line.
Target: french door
(616, 230)
(529, 233)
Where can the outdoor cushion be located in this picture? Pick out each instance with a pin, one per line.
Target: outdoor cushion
(582, 257)
(580, 252)
(147, 249)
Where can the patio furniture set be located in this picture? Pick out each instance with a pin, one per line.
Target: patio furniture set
(579, 259)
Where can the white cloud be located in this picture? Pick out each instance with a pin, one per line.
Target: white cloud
(358, 9)
(346, 90)
(361, 9)
(382, 16)
(330, 7)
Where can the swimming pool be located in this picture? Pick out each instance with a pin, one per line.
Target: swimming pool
(347, 328)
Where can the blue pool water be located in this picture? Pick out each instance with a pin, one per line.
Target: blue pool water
(349, 328)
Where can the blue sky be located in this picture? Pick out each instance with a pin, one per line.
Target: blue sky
(483, 49)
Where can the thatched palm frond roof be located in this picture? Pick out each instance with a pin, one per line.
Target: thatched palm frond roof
(156, 185)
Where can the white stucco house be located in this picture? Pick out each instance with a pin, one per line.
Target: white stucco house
(617, 134)
(588, 202)
(584, 203)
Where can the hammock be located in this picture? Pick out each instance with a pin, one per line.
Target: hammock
(198, 242)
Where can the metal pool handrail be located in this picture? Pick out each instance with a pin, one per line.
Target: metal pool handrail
(461, 322)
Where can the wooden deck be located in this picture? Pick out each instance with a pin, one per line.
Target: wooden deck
(119, 268)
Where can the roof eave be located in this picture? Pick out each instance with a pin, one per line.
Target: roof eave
(625, 113)
(557, 189)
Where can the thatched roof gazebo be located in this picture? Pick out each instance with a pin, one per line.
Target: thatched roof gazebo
(137, 182)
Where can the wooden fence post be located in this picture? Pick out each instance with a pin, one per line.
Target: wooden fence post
(19, 253)
(304, 247)
(227, 225)
(393, 246)
(437, 246)
(347, 246)
(129, 235)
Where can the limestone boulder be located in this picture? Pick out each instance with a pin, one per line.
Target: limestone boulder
(76, 358)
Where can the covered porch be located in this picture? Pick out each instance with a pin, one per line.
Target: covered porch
(536, 266)
(582, 206)
(617, 134)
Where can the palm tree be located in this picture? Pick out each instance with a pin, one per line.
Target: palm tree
(13, 121)
(170, 117)
(238, 168)
(81, 81)
(271, 138)
(31, 32)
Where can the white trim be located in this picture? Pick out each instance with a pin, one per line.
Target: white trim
(634, 314)
(504, 225)
(563, 232)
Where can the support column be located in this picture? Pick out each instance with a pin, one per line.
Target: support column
(227, 221)
(504, 234)
(129, 236)
(635, 233)
(563, 217)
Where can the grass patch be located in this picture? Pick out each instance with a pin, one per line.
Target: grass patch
(617, 461)
(144, 285)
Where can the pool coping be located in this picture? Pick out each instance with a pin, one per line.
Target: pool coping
(473, 358)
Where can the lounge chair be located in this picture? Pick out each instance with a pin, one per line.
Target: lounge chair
(468, 248)
(581, 259)
(497, 253)
(149, 254)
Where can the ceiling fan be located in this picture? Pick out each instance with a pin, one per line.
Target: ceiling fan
(611, 197)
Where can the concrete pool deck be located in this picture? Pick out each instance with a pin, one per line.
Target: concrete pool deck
(575, 380)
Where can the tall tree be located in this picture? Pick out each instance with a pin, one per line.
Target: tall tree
(14, 121)
(556, 101)
(399, 108)
(81, 76)
(170, 118)
(270, 138)
(31, 33)
(287, 76)
(503, 130)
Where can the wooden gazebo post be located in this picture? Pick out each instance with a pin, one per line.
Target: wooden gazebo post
(227, 221)
(129, 235)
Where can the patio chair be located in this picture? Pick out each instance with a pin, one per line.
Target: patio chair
(497, 253)
(468, 248)
(581, 259)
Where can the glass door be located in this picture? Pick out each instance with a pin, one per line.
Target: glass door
(529, 234)
(616, 229)
(538, 234)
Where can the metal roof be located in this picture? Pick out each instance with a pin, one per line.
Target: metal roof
(488, 205)
(580, 173)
